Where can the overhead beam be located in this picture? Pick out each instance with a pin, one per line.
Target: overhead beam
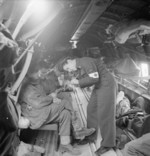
(93, 11)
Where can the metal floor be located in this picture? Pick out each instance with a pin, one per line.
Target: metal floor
(46, 139)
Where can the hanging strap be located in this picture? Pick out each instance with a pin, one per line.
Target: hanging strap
(30, 52)
(28, 12)
(26, 64)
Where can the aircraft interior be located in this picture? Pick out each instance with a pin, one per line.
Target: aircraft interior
(112, 34)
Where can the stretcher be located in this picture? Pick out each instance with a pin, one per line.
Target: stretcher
(80, 102)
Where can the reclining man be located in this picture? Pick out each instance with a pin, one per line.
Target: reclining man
(141, 145)
(40, 109)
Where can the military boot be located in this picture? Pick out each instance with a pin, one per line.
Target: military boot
(84, 132)
(69, 149)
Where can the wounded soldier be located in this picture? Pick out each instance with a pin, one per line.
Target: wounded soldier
(61, 92)
(141, 145)
(39, 109)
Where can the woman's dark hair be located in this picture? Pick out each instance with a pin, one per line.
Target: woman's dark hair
(62, 62)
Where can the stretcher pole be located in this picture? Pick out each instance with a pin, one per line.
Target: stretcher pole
(79, 107)
(86, 95)
(92, 146)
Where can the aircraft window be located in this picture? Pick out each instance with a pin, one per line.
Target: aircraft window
(144, 69)
(39, 9)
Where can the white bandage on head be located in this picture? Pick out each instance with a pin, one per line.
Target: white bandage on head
(94, 75)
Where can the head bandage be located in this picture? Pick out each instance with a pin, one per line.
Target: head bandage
(94, 75)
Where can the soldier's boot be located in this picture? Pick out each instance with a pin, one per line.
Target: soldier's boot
(84, 132)
(69, 149)
(65, 146)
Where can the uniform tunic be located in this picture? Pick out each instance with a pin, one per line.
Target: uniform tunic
(51, 84)
(40, 109)
(101, 107)
(35, 103)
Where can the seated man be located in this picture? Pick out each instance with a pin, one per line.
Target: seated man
(54, 83)
(39, 108)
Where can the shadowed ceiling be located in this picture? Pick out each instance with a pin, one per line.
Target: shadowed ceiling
(87, 22)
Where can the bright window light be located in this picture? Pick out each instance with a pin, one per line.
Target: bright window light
(144, 69)
(39, 7)
(74, 44)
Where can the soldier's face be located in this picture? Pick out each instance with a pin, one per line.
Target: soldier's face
(69, 66)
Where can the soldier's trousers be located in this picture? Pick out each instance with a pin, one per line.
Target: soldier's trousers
(61, 116)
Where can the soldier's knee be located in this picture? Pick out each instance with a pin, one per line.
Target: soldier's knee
(129, 148)
(126, 147)
(65, 114)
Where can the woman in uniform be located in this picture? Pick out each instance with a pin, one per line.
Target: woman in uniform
(101, 107)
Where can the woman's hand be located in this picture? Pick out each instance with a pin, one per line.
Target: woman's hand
(54, 95)
(70, 86)
(74, 82)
